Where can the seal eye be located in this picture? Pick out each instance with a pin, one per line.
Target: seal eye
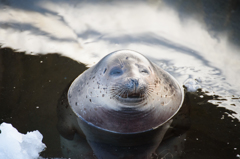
(116, 71)
(144, 71)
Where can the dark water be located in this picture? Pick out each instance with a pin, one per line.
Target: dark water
(30, 89)
(30, 86)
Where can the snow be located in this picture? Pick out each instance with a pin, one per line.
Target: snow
(14, 145)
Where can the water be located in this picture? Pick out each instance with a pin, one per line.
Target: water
(46, 44)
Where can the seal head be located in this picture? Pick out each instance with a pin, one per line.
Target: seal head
(125, 93)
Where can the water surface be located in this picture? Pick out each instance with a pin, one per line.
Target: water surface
(47, 44)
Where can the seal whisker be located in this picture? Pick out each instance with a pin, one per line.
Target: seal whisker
(149, 92)
(122, 92)
(118, 92)
(121, 63)
(171, 94)
(167, 102)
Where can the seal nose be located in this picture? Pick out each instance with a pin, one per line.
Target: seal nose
(134, 84)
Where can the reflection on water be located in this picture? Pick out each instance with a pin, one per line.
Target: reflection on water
(190, 39)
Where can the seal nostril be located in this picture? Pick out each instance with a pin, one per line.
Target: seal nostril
(135, 82)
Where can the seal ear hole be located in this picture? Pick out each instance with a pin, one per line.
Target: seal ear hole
(104, 70)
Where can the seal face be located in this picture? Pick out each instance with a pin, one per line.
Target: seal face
(125, 93)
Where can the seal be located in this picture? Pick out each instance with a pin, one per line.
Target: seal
(124, 88)
(119, 101)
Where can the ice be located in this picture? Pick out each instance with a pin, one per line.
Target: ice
(14, 145)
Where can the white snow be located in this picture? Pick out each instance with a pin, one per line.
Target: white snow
(14, 145)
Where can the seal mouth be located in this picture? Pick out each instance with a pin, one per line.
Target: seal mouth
(128, 95)
(132, 95)
(131, 98)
